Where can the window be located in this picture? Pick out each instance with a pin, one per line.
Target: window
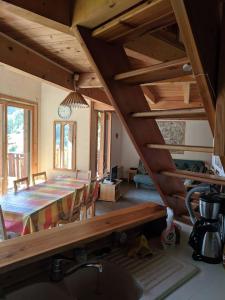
(64, 145)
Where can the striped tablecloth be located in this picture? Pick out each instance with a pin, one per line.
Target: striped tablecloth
(39, 206)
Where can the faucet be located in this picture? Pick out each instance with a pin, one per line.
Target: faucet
(57, 273)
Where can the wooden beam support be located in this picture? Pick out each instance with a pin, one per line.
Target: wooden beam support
(18, 56)
(150, 97)
(202, 49)
(154, 73)
(127, 99)
(56, 14)
(187, 90)
(181, 148)
(96, 94)
(89, 80)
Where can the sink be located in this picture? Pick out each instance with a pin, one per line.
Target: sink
(113, 283)
(39, 291)
(85, 284)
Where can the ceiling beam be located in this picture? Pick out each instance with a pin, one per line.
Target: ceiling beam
(55, 10)
(16, 55)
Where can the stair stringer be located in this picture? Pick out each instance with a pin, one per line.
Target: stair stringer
(107, 60)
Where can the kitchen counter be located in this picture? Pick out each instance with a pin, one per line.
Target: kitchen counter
(20, 251)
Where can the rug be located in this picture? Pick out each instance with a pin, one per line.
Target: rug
(158, 275)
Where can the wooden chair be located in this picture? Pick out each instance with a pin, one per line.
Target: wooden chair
(75, 210)
(37, 175)
(24, 180)
(88, 207)
(83, 175)
(4, 235)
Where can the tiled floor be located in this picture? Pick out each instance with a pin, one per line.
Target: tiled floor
(209, 283)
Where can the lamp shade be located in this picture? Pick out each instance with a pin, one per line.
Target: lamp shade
(75, 100)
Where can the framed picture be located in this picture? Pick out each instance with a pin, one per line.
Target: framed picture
(173, 133)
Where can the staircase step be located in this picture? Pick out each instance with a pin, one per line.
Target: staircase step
(145, 17)
(202, 177)
(181, 148)
(172, 114)
(162, 71)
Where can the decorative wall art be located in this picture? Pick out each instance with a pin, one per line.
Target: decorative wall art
(173, 133)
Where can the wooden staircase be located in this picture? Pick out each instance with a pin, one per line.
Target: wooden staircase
(122, 85)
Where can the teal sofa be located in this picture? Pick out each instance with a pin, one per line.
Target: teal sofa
(142, 178)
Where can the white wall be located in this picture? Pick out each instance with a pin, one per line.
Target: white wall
(129, 156)
(18, 85)
(51, 99)
(197, 133)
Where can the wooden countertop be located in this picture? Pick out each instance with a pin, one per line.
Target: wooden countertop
(26, 249)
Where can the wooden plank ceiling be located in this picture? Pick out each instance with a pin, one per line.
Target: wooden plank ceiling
(151, 45)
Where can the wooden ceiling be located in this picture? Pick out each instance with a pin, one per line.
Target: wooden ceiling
(152, 45)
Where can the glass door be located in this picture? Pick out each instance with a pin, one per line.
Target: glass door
(2, 138)
(18, 143)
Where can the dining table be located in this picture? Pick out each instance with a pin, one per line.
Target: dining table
(40, 206)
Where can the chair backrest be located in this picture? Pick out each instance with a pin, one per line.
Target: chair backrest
(22, 181)
(3, 233)
(83, 175)
(77, 201)
(92, 192)
(36, 176)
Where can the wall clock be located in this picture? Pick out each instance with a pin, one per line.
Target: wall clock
(64, 112)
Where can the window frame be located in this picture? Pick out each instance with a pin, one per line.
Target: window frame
(63, 123)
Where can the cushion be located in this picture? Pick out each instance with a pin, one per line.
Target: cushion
(143, 179)
(141, 168)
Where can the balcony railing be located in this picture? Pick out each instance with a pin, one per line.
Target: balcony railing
(17, 165)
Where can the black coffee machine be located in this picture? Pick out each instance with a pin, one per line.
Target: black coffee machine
(207, 236)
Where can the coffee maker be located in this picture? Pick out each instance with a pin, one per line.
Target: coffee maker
(207, 236)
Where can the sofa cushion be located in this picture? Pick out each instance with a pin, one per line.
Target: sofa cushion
(143, 179)
(190, 165)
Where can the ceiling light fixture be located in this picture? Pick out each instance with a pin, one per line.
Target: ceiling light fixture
(75, 99)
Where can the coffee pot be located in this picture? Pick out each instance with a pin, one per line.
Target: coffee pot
(207, 235)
